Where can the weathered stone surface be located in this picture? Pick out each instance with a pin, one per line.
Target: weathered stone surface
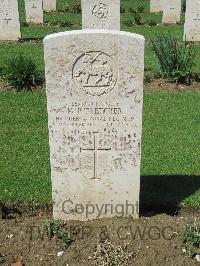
(97, 14)
(156, 6)
(49, 5)
(192, 21)
(94, 82)
(9, 20)
(171, 11)
(34, 11)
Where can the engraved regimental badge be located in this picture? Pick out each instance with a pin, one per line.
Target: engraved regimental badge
(100, 11)
(95, 73)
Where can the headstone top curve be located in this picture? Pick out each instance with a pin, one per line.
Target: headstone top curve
(92, 31)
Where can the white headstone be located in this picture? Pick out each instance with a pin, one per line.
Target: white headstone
(156, 6)
(9, 20)
(94, 82)
(103, 14)
(171, 11)
(49, 5)
(192, 21)
(34, 11)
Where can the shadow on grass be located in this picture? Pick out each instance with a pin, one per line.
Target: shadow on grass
(166, 193)
(158, 194)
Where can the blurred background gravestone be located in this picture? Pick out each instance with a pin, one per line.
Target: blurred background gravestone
(9, 20)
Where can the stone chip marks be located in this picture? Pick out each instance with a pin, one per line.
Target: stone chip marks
(9, 20)
(94, 81)
(101, 14)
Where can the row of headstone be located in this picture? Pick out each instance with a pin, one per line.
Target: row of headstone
(94, 84)
(98, 17)
(34, 9)
(171, 14)
(171, 10)
(9, 16)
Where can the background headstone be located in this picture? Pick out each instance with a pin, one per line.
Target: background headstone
(101, 14)
(49, 5)
(156, 6)
(9, 20)
(171, 11)
(94, 82)
(192, 21)
(34, 11)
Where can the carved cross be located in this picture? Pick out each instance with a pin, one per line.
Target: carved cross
(171, 9)
(7, 19)
(34, 6)
(197, 19)
(95, 151)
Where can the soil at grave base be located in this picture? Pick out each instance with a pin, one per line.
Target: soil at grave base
(160, 85)
(22, 239)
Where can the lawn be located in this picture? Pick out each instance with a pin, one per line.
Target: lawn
(52, 20)
(36, 51)
(170, 146)
(170, 150)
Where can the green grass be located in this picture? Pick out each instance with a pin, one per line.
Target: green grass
(36, 50)
(24, 156)
(40, 31)
(171, 134)
(170, 149)
(151, 62)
